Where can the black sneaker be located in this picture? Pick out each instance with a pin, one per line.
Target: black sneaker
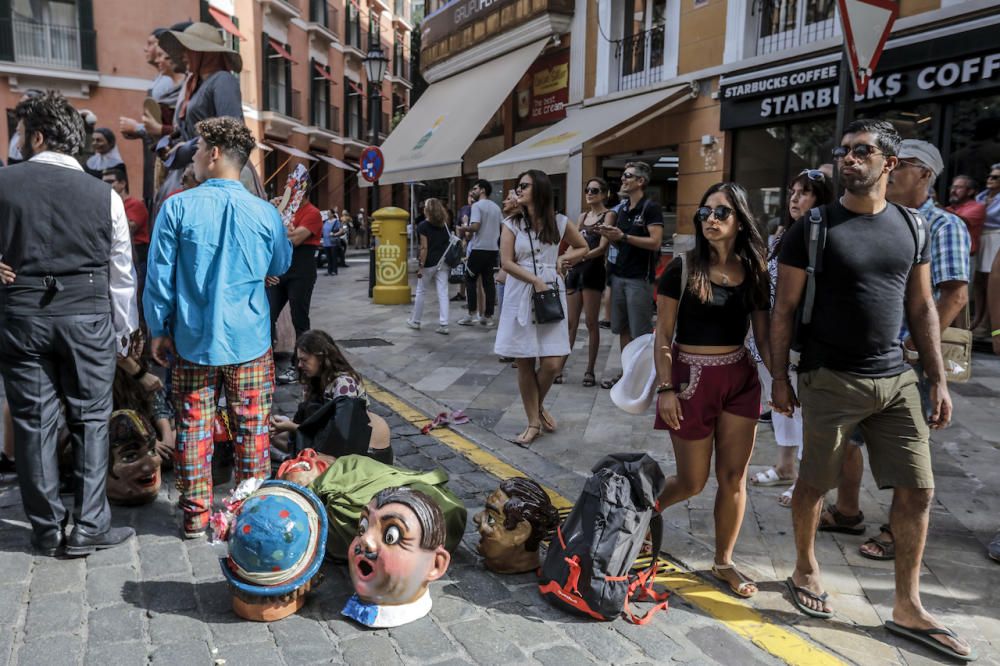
(7, 465)
(604, 323)
(289, 376)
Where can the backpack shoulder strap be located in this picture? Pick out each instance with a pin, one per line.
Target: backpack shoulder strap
(816, 240)
(918, 229)
(684, 278)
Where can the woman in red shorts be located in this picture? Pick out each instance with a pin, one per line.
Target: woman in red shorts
(708, 395)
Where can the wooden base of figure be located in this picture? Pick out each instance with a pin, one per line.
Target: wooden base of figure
(267, 609)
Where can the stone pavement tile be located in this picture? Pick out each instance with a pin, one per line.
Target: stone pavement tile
(650, 639)
(108, 585)
(112, 557)
(168, 595)
(117, 654)
(115, 624)
(16, 565)
(54, 614)
(188, 652)
(561, 655)
(865, 645)
(521, 621)
(302, 640)
(422, 640)
(855, 609)
(372, 649)
(6, 647)
(475, 585)
(164, 559)
(57, 575)
(165, 628)
(600, 640)
(248, 654)
(12, 600)
(485, 644)
(51, 650)
(448, 608)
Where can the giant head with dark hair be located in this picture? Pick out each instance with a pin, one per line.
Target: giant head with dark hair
(399, 548)
(48, 122)
(517, 518)
(224, 146)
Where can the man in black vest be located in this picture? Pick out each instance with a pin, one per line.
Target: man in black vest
(67, 304)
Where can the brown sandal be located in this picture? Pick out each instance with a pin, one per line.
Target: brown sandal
(888, 547)
(841, 523)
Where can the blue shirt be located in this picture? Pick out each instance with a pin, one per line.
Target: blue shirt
(331, 226)
(211, 248)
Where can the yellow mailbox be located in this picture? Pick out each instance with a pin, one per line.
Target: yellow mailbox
(392, 284)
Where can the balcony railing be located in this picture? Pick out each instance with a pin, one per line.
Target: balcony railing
(400, 66)
(786, 24)
(277, 98)
(355, 36)
(44, 44)
(326, 15)
(640, 58)
(352, 125)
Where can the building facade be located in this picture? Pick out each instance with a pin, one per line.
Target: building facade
(303, 84)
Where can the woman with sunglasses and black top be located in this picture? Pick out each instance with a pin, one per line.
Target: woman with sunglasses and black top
(529, 252)
(586, 280)
(708, 393)
(807, 190)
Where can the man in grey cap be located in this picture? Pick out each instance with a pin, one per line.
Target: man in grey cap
(949, 242)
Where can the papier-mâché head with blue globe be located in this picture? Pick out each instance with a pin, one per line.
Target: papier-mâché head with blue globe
(276, 546)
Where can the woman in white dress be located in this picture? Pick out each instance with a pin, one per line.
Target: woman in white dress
(529, 250)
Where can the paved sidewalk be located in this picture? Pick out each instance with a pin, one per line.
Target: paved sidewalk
(162, 600)
(960, 584)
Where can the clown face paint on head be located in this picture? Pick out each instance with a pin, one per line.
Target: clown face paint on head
(133, 464)
(399, 549)
(517, 517)
(305, 467)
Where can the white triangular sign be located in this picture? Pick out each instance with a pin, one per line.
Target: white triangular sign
(866, 26)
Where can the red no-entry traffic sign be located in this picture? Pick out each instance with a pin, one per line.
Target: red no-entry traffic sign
(866, 25)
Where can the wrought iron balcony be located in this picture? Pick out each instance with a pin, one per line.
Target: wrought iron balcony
(639, 58)
(44, 44)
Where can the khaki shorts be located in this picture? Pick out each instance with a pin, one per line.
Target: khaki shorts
(886, 410)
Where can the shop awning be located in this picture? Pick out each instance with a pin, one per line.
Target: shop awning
(335, 162)
(550, 149)
(226, 23)
(293, 151)
(280, 49)
(433, 136)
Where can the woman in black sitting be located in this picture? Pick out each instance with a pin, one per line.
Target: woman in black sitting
(708, 394)
(333, 417)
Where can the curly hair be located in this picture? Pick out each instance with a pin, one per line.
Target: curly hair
(59, 123)
(528, 501)
(230, 136)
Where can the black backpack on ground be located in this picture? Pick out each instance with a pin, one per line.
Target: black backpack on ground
(588, 567)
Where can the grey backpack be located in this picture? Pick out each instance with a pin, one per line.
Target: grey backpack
(589, 564)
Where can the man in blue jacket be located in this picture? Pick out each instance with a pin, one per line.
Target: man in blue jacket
(211, 251)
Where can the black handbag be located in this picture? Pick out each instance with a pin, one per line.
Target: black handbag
(338, 427)
(548, 307)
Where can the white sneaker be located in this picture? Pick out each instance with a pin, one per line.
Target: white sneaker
(289, 376)
(468, 320)
(487, 322)
(413, 324)
(443, 330)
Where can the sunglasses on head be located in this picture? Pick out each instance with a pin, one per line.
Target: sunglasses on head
(522, 187)
(861, 150)
(720, 212)
(594, 190)
(813, 174)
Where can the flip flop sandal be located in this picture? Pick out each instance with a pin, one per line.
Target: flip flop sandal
(770, 478)
(458, 417)
(796, 591)
(589, 379)
(525, 442)
(744, 582)
(548, 423)
(842, 523)
(888, 547)
(926, 638)
(608, 383)
(785, 498)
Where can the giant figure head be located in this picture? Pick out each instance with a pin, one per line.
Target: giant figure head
(517, 517)
(133, 463)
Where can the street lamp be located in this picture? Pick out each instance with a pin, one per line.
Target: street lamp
(375, 63)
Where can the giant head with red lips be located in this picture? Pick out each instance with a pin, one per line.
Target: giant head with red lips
(399, 549)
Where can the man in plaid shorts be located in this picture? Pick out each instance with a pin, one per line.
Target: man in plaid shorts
(213, 248)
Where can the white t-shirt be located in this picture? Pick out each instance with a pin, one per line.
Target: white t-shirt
(489, 216)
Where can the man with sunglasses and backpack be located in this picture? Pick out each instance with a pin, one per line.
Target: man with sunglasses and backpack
(852, 373)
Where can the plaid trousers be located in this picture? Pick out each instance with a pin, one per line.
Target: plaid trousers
(249, 390)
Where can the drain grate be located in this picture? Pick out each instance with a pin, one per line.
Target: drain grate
(355, 343)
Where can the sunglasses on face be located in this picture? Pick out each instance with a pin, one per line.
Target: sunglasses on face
(593, 190)
(721, 213)
(813, 174)
(521, 187)
(628, 176)
(862, 151)
(993, 176)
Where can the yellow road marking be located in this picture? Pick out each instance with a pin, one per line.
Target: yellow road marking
(735, 614)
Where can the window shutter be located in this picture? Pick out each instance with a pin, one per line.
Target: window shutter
(88, 38)
(206, 16)
(265, 83)
(289, 111)
(6, 30)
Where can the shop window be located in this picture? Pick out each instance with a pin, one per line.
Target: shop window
(319, 97)
(975, 137)
(640, 52)
(277, 75)
(785, 24)
(272, 164)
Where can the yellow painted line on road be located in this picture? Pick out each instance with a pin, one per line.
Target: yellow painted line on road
(741, 618)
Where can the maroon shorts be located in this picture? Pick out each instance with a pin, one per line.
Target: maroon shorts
(709, 385)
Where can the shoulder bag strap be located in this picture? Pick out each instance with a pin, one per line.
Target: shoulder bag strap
(531, 243)
(817, 241)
